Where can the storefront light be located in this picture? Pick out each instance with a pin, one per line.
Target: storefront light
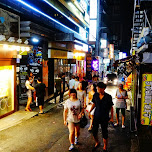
(27, 48)
(35, 40)
(18, 48)
(13, 47)
(5, 46)
(22, 48)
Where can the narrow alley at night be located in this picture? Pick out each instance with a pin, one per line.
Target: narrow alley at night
(76, 75)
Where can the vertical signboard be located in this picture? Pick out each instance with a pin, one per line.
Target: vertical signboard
(45, 73)
(111, 51)
(146, 98)
(88, 66)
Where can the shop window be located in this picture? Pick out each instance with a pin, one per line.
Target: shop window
(6, 89)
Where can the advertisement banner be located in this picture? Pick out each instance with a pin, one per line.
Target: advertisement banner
(146, 98)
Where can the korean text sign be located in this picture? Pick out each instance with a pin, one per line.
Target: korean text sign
(146, 100)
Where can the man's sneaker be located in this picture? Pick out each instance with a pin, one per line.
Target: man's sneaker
(116, 124)
(76, 141)
(123, 126)
(71, 147)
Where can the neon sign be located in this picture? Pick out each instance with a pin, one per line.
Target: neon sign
(95, 65)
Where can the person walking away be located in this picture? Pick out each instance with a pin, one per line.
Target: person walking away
(121, 96)
(76, 83)
(40, 93)
(81, 94)
(62, 87)
(72, 82)
(84, 84)
(103, 103)
(29, 93)
(73, 110)
(59, 88)
(90, 97)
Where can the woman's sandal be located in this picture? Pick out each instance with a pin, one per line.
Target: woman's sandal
(96, 146)
(90, 128)
(27, 109)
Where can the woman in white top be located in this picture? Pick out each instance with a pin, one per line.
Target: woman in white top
(73, 110)
(81, 94)
(90, 96)
(29, 93)
(121, 96)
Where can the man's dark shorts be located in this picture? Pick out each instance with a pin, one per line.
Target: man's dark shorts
(40, 101)
(122, 111)
(104, 127)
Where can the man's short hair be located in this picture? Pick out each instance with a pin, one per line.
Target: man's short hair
(101, 85)
(73, 77)
(39, 79)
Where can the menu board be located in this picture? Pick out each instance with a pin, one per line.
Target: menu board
(146, 100)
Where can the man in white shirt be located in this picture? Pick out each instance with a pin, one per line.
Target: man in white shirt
(72, 82)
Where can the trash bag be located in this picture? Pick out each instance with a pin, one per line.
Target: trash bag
(83, 121)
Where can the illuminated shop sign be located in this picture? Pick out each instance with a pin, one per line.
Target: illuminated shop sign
(103, 43)
(146, 105)
(111, 51)
(84, 47)
(79, 56)
(105, 53)
(70, 55)
(106, 61)
(14, 48)
(122, 55)
(93, 27)
(93, 8)
(95, 65)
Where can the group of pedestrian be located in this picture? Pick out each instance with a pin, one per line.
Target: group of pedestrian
(38, 89)
(100, 104)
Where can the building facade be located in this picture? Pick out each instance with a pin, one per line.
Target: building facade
(58, 33)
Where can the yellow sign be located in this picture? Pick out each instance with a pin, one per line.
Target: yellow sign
(146, 100)
(79, 56)
(57, 54)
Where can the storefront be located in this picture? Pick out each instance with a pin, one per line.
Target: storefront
(31, 61)
(80, 64)
(60, 61)
(80, 50)
(8, 87)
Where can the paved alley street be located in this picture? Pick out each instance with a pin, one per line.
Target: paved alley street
(46, 133)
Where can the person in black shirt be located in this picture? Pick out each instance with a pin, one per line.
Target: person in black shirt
(103, 103)
(40, 93)
(84, 84)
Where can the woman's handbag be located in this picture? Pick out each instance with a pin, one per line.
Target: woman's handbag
(83, 121)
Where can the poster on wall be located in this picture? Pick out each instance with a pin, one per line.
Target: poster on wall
(23, 74)
(35, 61)
(146, 98)
(35, 56)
